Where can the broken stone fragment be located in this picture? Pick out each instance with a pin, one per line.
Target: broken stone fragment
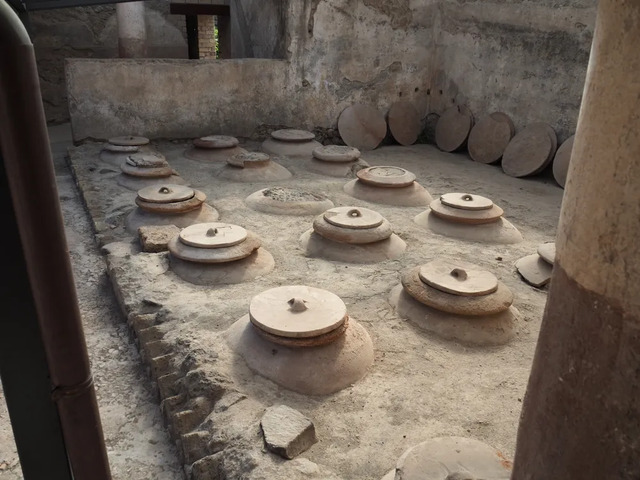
(154, 238)
(287, 432)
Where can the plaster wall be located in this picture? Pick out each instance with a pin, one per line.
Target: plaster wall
(525, 58)
(175, 98)
(92, 32)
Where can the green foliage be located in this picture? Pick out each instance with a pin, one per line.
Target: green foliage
(215, 36)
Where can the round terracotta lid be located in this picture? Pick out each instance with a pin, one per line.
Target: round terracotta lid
(453, 127)
(458, 278)
(534, 270)
(166, 193)
(470, 217)
(120, 148)
(297, 311)
(147, 160)
(336, 153)
(214, 255)
(466, 201)
(173, 207)
(216, 141)
(213, 235)
(386, 176)
(146, 172)
(489, 139)
(503, 117)
(529, 151)
(404, 123)
(129, 141)
(353, 217)
(547, 252)
(249, 159)
(453, 458)
(561, 161)
(554, 143)
(362, 127)
(292, 135)
(475, 306)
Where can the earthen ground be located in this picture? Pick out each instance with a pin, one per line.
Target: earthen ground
(138, 444)
(419, 387)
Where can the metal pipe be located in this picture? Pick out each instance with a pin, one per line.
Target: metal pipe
(24, 144)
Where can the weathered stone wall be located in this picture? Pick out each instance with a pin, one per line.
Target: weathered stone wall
(525, 58)
(175, 98)
(259, 29)
(92, 32)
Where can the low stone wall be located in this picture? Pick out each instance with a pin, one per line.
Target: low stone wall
(190, 98)
(174, 98)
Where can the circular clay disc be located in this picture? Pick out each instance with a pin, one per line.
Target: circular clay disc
(216, 141)
(554, 142)
(503, 117)
(386, 176)
(352, 236)
(129, 141)
(404, 123)
(453, 127)
(292, 135)
(458, 278)
(148, 172)
(213, 235)
(534, 270)
(547, 252)
(171, 208)
(453, 458)
(459, 215)
(362, 127)
(249, 159)
(528, 152)
(297, 311)
(489, 139)
(481, 305)
(336, 153)
(353, 217)
(120, 148)
(147, 160)
(214, 255)
(466, 201)
(561, 161)
(165, 193)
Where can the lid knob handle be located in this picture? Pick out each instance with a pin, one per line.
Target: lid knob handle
(164, 190)
(297, 305)
(467, 198)
(354, 213)
(459, 274)
(212, 232)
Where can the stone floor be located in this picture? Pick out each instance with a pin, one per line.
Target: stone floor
(137, 442)
(420, 386)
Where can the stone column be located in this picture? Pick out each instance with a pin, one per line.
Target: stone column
(581, 414)
(132, 31)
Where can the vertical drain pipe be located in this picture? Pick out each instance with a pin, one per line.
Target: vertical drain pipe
(24, 144)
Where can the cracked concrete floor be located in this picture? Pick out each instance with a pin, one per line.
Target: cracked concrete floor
(138, 445)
